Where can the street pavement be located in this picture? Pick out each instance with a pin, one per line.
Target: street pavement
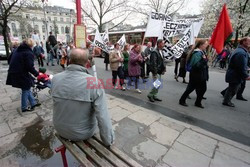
(161, 134)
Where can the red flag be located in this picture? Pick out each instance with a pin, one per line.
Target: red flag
(222, 32)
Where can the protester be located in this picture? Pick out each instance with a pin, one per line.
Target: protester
(134, 67)
(157, 68)
(78, 109)
(176, 66)
(13, 49)
(62, 56)
(106, 58)
(116, 60)
(36, 38)
(50, 53)
(197, 62)
(125, 54)
(216, 60)
(52, 39)
(39, 53)
(237, 70)
(19, 74)
(147, 53)
(182, 69)
(224, 55)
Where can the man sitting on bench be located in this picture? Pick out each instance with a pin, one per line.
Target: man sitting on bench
(76, 107)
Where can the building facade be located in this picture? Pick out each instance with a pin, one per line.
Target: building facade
(54, 19)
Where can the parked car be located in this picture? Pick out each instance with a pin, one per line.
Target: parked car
(3, 55)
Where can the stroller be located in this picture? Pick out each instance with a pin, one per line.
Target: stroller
(41, 82)
(38, 86)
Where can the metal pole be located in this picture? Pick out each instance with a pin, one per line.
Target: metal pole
(78, 11)
(70, 25)
(45, 21)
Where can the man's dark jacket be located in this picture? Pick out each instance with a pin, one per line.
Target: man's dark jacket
(21, 65)
(237, 68)
(157, 62)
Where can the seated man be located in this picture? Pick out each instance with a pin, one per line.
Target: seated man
(77, 109)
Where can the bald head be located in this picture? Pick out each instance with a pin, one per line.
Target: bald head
(78, 56)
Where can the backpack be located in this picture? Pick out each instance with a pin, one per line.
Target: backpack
(188, 65)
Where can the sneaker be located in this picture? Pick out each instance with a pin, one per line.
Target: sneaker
(138, 90)
(28, 109)
(36, 105)
(123, 88)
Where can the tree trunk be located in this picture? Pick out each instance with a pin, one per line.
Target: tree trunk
(5, 37)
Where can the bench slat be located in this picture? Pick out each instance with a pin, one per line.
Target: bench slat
(88, 151)
(82, 159)
(124, 157)
(110, 157)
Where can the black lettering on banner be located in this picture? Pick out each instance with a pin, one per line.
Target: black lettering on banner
(160, 16)
(100, 45)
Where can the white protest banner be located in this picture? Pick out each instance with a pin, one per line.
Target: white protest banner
(61, 38)
(122, 41)
(174, 28)
(99, 42)
(167, 52)
(105, 37)
(179, 47)
(154, 24)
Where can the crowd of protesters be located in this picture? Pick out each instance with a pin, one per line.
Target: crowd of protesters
(132, 65)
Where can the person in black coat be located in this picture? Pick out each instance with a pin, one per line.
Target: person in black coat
(198, 74)
(158, 68)
(19, 74)
(237, 70)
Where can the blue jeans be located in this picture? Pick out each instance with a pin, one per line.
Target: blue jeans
(50, 58)
(27, 95)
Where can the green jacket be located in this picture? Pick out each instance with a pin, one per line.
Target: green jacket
(126, 59)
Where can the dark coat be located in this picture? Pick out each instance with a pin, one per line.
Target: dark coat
(199, 71)
(52, 40)
(237, 68)
(21, 65)
(157, 62)
(38, 50)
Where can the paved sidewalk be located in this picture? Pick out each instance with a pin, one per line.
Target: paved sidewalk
(148, 137)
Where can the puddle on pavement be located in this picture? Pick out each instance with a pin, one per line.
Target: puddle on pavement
(37, 148)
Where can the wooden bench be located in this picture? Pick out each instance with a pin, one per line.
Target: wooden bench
(92, 152)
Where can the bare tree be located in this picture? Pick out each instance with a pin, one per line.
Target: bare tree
(8, 8)
(169, 7)
(103, 12)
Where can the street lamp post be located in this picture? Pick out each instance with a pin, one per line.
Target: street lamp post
(45, 21)
(70, 12)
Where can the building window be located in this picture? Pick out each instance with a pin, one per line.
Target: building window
(43, 28)
(49, 18)
(67, 19)
(67, 30)
(55, 18)
(27, 16)
(43, 37)
(50, 28)
(34, 18)
(13, 26)
(62, 30)
(73, 20)
(61, 19)
(36, 27)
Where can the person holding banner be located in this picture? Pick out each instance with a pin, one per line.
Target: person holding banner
(197, 65)
(147, 53)
(116, 60)
(158, 68)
